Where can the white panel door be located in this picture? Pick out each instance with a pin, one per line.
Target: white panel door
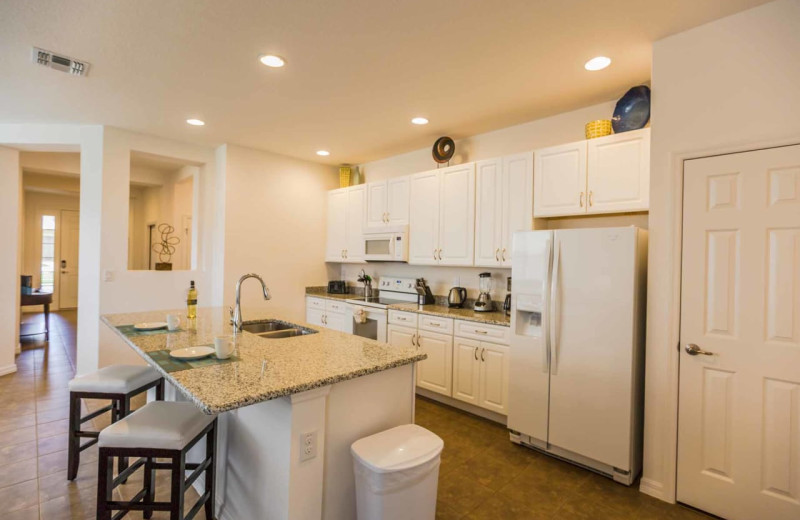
(435, 373)
(423, 230)
(376, 204)
(337, 226)
(337, 321)
(559, 177)
(466, 370)
(493, 364)
(517, 201)
(397, 201)
(315, 316)
(68, 278)
(457, 215)
(356, 205)
(619, 172)
(739, 419)
(404, 337)
(488, 212)
(592, 342)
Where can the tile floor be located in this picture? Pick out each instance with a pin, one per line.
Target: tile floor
(482, 475)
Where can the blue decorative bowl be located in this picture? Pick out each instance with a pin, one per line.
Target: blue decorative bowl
(632, 111)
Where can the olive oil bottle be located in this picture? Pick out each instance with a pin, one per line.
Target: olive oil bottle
(191, 302)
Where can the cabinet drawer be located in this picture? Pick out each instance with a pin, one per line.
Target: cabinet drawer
(336, 306)
(435, 324)
(315, 303)
(482, 332)
(407, 319)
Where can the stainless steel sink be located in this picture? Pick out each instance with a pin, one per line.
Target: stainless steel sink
(275, 329)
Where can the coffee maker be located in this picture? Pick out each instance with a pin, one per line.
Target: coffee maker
(484, 301)
(507, 301)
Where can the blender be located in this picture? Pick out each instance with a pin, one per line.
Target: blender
(484, 301)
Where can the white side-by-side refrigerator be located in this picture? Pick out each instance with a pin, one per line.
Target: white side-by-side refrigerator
(577, 346)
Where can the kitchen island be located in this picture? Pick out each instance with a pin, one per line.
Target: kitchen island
(327, 388)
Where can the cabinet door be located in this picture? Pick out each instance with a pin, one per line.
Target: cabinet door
(356, 202)
(559, 176)
(517, 201)
(619, 172)
(402, 337)
(494, 377)
(423, 230)
(466, 370)
(397, 201)
(314, 316)
(457, 215)
(338, 321)
(376, 204)
(337, 226)
(488, 212)
(435, 373)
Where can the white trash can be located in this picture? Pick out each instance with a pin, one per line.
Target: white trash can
(397, 473)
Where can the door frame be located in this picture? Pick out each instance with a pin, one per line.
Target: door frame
(673, 225)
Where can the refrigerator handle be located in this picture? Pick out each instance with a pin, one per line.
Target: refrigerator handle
(546, 308)
(554, 309)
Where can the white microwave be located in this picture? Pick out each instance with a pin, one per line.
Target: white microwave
(386, 245)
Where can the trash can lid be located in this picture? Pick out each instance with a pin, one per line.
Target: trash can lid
(398, 448)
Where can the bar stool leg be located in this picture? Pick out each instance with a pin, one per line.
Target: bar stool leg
(149, 485)
(211, 472)
(160, 390)
(124, 409)
(105, 484)
(178, 471)
(74, 442)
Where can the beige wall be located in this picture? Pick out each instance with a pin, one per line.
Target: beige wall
(10, 181)
(726, 86)
(275, 211)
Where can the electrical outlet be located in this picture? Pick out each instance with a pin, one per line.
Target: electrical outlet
(308, 445)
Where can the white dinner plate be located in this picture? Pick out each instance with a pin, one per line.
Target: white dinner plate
(191, 353)
(151, 325)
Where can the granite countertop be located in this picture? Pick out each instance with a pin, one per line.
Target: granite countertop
(492, 318)
(293, 365)
(322, 292)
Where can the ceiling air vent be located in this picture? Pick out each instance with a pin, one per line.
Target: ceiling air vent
(59, 62)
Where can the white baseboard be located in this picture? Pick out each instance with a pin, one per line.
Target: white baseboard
(653, 488)
(10, 369)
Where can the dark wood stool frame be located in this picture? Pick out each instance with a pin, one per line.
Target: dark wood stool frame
(120, 407)
(144, 500)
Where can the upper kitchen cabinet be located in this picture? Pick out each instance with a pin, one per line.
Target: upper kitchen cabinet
(345, 241)
(604, 175)
(560, 180)
(442, 216)
(387, 203)
(619, 172)
(504, 205)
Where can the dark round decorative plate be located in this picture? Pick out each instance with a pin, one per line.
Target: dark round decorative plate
(633, 110)
(443, 149)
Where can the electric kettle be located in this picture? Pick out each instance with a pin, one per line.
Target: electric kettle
(457, 297)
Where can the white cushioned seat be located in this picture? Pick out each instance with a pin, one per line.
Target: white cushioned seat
(159, 425)
(115, 379)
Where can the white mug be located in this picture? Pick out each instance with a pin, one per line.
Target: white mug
(223, 346)
(173, 321)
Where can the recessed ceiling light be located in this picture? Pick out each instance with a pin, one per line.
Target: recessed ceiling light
(598, 63)
(270, 60)
(323, 153)
(195, 122)
(419, 121)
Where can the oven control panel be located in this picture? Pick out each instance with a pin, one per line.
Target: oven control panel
(403, 285)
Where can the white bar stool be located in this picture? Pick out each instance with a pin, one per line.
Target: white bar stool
(158, 430)
(118, 383)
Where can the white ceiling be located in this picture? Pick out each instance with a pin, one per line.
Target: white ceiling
(357, 70)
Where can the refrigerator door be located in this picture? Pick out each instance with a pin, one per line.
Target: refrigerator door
(529, 374)
(592, 342)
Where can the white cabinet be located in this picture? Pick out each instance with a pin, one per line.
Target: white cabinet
(399, 336)
(619, 172)
(604, 175)
(331, 314)
(480, 374)
(315, 316)
(345, 241)
(442, 216)
(504, 205)
(466, 370)
(387, 203)
(435, 372)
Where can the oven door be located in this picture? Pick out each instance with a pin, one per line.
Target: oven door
(374, 327)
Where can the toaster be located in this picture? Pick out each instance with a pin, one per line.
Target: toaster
(337, 287)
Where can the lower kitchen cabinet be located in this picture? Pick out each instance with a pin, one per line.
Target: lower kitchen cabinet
(435, 373)
(330, 314)
(404, 337)
(315, 316)
(480, 374)
(466, 373)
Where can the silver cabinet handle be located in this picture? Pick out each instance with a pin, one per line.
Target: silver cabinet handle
(497, 254)
(400, 318)
(694, 350)
(434, 324)
(504, 254)
(440, 254)
(476, 353)
(591, 198)
(480, 332)
(581, 199)
(323, 320)
(434, 254)
(483, 351)
(419, 340)
(414, 339)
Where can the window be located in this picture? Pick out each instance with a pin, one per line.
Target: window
(48, 252)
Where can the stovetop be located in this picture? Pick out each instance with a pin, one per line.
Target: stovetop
(376, 301)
